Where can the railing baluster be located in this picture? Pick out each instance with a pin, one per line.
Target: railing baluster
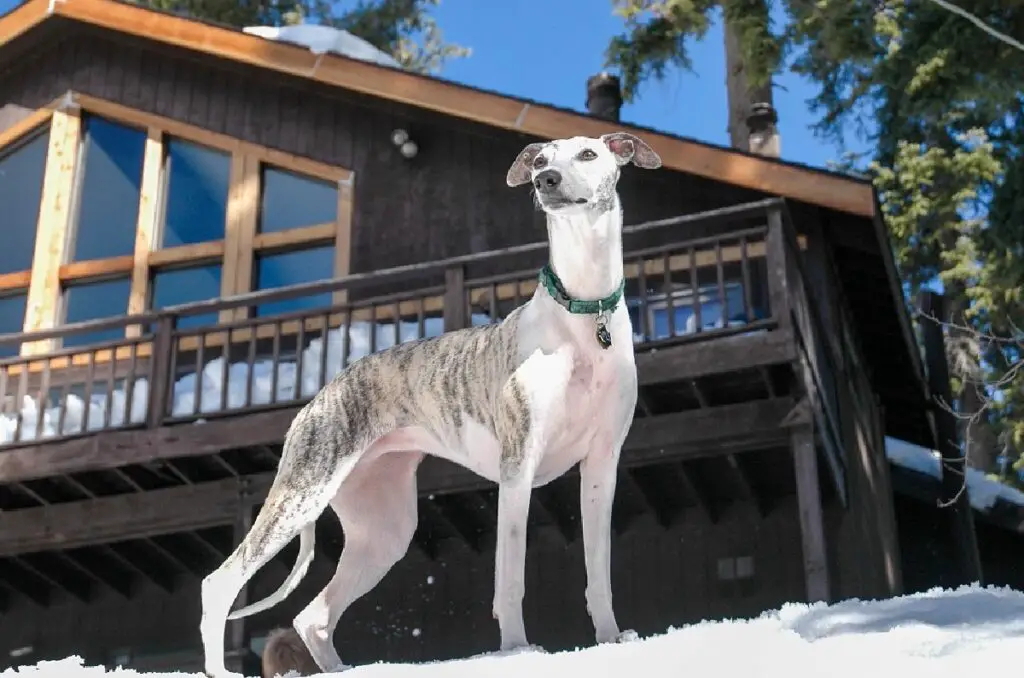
(3, 389)
(346, 339)
(250, 366)
(325, 343)
(197, 390)
(43, 397)
(373, 328)
(20, 401)
(90, 376)
(720, 275)
(421, 319)
(695, 304)
(641, 308)
(748, 305)
(397, 314)
(275, 362)
(300, 346)
(129, 382)
(111, 385)
(225, 371)
(62, 408)
(670, 302)
(492, 309)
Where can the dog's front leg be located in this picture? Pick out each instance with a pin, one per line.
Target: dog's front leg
(530, 408)
(598, 473)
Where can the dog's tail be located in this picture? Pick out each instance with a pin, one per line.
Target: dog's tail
(307, 540)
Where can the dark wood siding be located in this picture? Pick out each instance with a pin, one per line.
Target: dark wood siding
(450, 200)
(660, 578)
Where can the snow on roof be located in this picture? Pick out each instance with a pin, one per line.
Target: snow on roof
(939, 634)
(983, 491)
(322, 39)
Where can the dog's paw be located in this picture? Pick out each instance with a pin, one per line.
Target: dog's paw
(627, 636)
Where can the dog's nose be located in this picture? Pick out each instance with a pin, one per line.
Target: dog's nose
(547, 180)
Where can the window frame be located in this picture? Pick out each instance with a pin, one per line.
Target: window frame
(53, 271)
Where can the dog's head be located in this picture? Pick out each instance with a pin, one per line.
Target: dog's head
(581, 172)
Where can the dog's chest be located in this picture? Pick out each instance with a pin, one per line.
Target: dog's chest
(597, 405)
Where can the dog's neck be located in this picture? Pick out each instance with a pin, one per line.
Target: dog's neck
(586, 251)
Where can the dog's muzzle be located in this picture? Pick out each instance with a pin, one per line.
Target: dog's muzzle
(548, 185)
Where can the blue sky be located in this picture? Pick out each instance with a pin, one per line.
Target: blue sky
(546, 49)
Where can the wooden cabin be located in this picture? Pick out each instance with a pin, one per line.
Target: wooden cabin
(202, 226)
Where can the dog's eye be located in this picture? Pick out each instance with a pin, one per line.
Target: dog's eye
(586, 154)
(539, 162)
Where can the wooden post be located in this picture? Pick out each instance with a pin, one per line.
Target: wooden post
(238, 656)
(455, 299)
(775, 260)
(812, 523)
(160, 377)
(51, 234)
(952, 464)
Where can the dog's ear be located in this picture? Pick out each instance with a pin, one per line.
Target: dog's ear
(627, 147)
(519, 172)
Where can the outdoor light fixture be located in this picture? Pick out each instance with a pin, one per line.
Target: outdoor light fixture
(406, 146)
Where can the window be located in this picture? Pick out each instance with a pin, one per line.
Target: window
(108, 191)
(195, 206)
(21, 189)
(293, 268)
(12, 318)
(183, 286)
(291, 200)
(683, 311)
(92, 301)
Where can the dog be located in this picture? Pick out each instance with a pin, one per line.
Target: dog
(519, 402)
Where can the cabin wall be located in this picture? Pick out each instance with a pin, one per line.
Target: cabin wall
(865, 554)
(450, 200)
(660, 578)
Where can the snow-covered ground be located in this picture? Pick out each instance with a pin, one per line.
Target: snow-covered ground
(938, 634)
(983, 491)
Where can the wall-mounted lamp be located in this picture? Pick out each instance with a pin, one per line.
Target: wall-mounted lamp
(406, 146)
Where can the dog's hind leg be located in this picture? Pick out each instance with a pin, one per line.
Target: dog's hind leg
(286, 513)
(376, 506)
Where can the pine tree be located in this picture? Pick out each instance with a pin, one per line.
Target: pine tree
(943, 105)
(402, 28)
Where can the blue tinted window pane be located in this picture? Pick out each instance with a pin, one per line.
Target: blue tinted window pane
(171, 288)
(293, 268)
(12, 319)
(108, 199)
(292, 201)
(93, 301)
(197, 194)
(21, 189)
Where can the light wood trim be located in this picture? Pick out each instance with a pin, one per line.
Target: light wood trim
(197, 253)
(51, 232)
(222, 142)
(343, 236)
(19, 280)
(22, 19)
(147, 228)
(23, 128)
(753, 172)
(304, 235)
(95, 268)
(245, 210)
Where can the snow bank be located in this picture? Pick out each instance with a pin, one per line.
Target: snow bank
(322, 39)
(983, 490)
(939, 634)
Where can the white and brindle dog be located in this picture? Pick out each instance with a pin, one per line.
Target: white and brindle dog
(519, 402)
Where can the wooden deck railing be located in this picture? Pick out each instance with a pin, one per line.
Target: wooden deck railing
(170, 367)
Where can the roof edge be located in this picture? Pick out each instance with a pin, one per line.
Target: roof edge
(769, 176)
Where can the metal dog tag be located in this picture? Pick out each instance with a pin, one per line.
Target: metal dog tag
(604, 337)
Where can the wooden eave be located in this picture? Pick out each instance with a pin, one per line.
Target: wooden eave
(772, 177)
